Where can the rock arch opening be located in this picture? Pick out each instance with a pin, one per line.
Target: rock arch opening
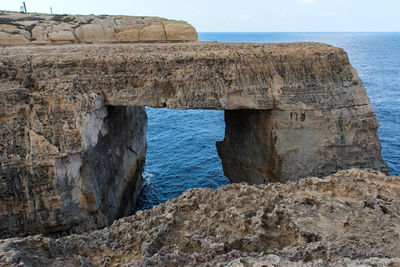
(181, 153)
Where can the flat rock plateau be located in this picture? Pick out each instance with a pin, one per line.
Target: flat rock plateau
(351, 218)
(46, 29)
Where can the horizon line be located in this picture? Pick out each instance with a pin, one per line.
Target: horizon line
(298, 31)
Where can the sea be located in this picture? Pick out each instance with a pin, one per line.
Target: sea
(181, 151)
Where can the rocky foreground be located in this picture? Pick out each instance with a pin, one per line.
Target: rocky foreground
(349, 218)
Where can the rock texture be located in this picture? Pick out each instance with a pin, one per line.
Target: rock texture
(40, 29)
(262, 146)
(351, 218)
(295, 76)
(72, 147)
(68, 162)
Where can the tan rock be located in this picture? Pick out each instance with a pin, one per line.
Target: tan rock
(178, 31)
(347, 219)
(8, 28)
(39, 33)
(153, 32)
(9, 39)
(280, 146)
(61, 36)
(94, 33)
(62, 29)
(60, 106)
(63, 133)
(127, 34)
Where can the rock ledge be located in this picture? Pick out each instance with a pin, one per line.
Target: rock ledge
(349, 218)
(42, 29)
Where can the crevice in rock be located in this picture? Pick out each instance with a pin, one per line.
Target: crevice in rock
(127, 201)
(101, 183)
(115, 169)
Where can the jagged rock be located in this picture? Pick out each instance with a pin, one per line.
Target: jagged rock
(68, 162)
(311, 118)
(33, 28)
(348, 219)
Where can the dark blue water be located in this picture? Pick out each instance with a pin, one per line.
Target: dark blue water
(181, 150)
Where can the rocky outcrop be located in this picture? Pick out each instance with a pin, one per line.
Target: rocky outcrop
(313, 113)
(40, 29)
(68, 162)
(65, 166)
(347, 219)
(262, 146)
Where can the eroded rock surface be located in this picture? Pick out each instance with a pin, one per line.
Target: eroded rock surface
(68, 162)
(293, 76)
(43, 29)
(349, 218)
(311, 116)
(262, 146)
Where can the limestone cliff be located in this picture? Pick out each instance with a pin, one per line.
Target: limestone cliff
(41, 29)
(199, 75)
(351, 218)
(68, 162)
(72, 147)
(262, 146)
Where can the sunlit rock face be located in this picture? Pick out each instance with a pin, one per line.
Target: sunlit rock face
(45, 29)
(73, 121)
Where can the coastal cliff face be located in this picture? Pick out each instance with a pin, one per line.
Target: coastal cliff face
(73, 123)
(68, 162)
(348, 219)
(320, 122)
(198, 75)
(285, 145)
(46, 29)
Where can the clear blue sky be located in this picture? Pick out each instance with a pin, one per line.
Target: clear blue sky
(241, 15)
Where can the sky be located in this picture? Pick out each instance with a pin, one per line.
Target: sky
(241, 15)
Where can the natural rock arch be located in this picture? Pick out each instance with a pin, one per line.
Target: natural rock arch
(292, 110)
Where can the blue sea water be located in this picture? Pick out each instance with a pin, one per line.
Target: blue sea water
(181, 150)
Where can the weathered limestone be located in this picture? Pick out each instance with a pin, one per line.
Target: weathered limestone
(64, 168)
(65, 163)
(262, 146)
(351, 218)
(297, 76)
(34, 28)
